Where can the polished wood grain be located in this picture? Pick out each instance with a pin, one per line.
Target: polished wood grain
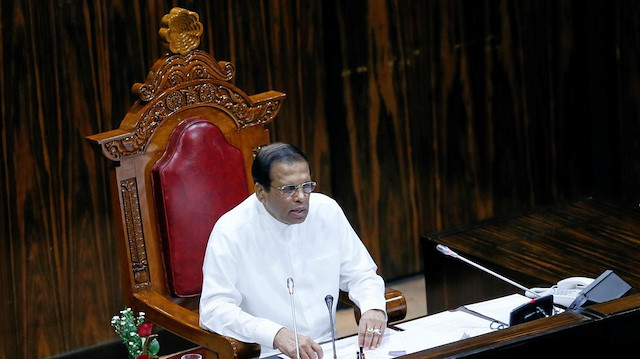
(418, 116)
(535, 249)
(611, 330)
(472, 110)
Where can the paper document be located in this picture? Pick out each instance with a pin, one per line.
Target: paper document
(433, 330)
(346, 348)
(439, 329)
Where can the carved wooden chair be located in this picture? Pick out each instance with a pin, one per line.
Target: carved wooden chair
(179, 160)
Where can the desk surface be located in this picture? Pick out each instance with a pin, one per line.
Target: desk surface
(582, 238)
(611, 330)
(611, 327)
(538, 248)
(535, 249)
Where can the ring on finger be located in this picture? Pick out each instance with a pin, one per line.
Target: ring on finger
(371, 330)
(377, 332)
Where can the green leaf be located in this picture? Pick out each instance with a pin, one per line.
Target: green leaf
(154, 347)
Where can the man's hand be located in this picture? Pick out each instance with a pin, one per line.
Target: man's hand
(285, 341)
(371, 329)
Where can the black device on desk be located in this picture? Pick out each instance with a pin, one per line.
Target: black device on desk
(608, 286)
(535, 309)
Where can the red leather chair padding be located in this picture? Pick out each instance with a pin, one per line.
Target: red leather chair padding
(198, 179)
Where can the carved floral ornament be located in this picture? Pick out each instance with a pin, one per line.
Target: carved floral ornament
(181, 29)
(177, 69)
(214, 93)
(188, 78)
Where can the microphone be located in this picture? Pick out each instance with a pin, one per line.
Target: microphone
(329, 300)
(293, 314)
(448, 252)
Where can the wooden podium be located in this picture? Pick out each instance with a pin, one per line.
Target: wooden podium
(537, 249)
(611, 328)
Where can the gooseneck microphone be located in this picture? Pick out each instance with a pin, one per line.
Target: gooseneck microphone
(293, 314)
(448, 252)
(329, 300)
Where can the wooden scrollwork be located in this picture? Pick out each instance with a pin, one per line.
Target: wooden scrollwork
(134, 232)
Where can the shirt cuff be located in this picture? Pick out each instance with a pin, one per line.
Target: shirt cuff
(373, 304)
(265, 332)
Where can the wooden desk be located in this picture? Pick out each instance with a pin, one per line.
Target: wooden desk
(539, 248)
(610, 327)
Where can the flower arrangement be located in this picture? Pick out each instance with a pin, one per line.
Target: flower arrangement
(136, 334)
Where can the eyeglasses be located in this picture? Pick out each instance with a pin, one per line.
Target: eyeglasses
(289, 190)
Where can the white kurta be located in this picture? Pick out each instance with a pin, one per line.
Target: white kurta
(250, 255)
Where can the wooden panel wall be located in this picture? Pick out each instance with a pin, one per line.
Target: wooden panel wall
(457, 111)
(417, 116)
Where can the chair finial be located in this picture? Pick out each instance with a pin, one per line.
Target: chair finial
(180, 30)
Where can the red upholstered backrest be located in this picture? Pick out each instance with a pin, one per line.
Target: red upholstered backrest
(198, 178)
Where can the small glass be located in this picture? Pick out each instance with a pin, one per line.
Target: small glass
(191, 356)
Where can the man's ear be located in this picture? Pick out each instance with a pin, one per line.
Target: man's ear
(260, 192)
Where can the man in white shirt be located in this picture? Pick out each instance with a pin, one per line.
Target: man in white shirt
(284, 231)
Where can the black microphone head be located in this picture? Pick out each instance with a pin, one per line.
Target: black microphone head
(290, 285)
(329, 300)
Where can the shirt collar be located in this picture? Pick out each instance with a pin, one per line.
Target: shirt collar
(270, 220)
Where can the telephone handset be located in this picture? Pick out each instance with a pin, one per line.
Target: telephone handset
(564, 292)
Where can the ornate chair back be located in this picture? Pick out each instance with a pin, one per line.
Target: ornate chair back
(180, 159)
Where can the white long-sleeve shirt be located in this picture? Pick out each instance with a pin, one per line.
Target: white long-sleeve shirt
(250, 255)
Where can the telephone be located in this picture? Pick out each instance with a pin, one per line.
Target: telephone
(564, 292)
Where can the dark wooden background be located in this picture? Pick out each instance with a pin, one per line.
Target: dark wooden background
(418, 116)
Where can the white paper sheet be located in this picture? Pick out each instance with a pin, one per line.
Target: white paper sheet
(432, 330)
(439, 329)
(499, 308)
(346, 348)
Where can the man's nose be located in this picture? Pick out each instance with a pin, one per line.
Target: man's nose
(299, 195)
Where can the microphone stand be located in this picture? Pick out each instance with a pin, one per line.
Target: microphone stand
(293, 314)
(329, 300)
(448, 252)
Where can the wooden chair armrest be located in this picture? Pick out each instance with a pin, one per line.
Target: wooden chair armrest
(396, 305)
(395, 300)
(184, 322)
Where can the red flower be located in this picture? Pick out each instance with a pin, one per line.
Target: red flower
(143, 356)
(144, 330)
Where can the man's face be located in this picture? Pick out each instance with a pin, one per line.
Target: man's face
(288, 210)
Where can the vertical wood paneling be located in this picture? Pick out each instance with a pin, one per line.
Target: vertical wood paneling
(501, 112)
(417, 116)
(627, 54)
